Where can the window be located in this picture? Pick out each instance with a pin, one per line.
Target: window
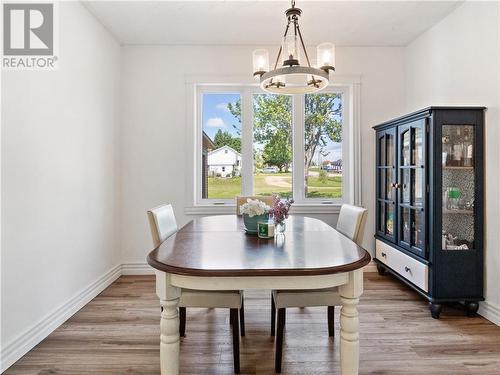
(254, 143)
(221, 146)
(272, 144)
(323, 145)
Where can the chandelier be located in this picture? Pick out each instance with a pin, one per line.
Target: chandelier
(293, 76)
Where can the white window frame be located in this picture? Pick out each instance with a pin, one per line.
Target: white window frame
(298, 149)
(348, 86)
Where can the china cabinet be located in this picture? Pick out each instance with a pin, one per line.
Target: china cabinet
(430, 203)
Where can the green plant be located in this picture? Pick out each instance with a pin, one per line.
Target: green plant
(323, 176)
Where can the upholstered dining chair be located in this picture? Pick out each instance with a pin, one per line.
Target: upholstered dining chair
(267, 199)
(351, 223)
(163, 225)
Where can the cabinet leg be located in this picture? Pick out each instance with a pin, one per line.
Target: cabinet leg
(471, 308)
(381, 270)
(435, 309)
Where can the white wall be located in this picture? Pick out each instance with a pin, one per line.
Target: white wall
(59, 177)
(457, 62)
(155, 129)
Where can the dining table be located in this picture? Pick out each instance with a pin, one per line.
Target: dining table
(215, 253)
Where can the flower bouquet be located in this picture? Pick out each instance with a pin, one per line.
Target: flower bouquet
(254, 211)
(279, 212)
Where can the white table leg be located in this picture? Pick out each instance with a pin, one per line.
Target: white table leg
(169, 324)
(349, 323)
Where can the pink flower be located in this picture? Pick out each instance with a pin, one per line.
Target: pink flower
(279, 209)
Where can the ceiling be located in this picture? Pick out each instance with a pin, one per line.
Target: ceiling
(352, 23)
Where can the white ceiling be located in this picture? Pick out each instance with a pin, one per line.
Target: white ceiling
(352, 23)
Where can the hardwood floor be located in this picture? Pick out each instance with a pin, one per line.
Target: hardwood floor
(118, 333)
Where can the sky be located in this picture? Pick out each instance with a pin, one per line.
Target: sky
(333, 151)
(216, 116)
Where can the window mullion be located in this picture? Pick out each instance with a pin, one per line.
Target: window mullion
(246, 143)
(298, 148)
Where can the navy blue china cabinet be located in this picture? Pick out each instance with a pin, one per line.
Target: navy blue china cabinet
(430, 204)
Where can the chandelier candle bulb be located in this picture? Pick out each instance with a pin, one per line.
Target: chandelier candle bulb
(260, 61)
(290, 54)
(325, 53)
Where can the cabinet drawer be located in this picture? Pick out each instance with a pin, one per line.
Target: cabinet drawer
(411, 269)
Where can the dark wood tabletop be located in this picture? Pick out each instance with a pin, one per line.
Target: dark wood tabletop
(218, 246)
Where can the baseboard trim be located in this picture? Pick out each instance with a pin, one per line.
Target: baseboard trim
(137, 269)
(490, 311)
(32, 336)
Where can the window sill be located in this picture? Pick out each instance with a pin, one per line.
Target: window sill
(297, 208)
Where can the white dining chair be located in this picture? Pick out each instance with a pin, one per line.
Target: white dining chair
(163, 225)
(351, 223)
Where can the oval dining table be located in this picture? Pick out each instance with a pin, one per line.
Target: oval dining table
(214, 253)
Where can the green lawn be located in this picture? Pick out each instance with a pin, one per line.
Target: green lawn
(330, 188)
(274, 183)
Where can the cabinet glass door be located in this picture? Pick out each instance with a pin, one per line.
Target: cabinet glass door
(411, 187)
(386, 183)
(458, 187)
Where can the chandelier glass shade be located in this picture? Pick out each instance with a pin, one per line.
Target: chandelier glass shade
(294, 74)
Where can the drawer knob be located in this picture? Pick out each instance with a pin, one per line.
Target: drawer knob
(407, 269)
(384, 255)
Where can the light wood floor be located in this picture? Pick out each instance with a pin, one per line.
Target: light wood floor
(118, 333)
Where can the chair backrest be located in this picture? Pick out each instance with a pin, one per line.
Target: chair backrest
(267, 199)
(162, 223)
(351, 222)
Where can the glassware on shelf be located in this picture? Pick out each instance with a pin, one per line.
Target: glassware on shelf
(389, 184)
(453, 194)
(418, 230)
(457, 155)
(406, 148)
(418, 150)
(467, 149)
(450, 242)
(469, 205)
(446, 150)
(444, 240)
(406, 224)
(390, 220)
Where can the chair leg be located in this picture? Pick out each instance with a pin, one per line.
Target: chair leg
(279, 339)
(331, 321)
(233, 317)
(182, 321)
(273, 316)
(242, 318)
